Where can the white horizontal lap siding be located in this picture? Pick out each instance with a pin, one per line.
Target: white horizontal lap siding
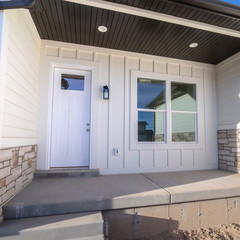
(228, 93)
(19, 124)
(114, 122)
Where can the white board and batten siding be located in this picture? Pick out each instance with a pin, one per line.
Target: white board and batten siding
(113, 118)
(228, 93)
(20, 90)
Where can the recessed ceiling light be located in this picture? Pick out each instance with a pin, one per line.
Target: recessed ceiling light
(193, 45)
(102, 29)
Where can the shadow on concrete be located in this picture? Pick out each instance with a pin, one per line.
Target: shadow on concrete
(131, 224)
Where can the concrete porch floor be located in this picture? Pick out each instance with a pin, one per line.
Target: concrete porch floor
(82, 194)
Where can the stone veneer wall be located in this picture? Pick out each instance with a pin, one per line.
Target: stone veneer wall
(17, 166)
(229, 150)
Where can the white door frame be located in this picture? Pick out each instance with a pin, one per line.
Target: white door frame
(53, 66)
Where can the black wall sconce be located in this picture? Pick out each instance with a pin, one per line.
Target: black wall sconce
(105, 92)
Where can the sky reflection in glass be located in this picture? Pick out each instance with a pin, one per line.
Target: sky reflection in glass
(150, 94)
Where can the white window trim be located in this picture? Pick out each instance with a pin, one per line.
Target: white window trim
(134, 144)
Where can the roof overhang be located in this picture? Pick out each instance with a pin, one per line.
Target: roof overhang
(164, 28)
(159, 16)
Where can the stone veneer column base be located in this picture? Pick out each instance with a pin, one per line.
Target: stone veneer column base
(229, 150)
(17, 166)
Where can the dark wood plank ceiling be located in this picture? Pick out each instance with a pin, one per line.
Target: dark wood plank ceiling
(68, 22)
(181, 9)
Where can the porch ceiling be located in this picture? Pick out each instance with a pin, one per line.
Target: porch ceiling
(75, 23)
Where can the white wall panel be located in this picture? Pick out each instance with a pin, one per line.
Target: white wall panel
(114, 126)
(10, 120)
(52, 51)
(146, 158)
(21, 80)
(160, 158)
(197, 72)
(131, 158)
(228, 93)
(18, 100)
(187, 157)
(146, 65)
(210, 116)
(85, 55)
(186, 70)
(173, 68)
(104, 119)
(174, 158)
(160, 67)
(18, 111)
(199, 158)
(21, 87)
(68, 53)
(116, 111)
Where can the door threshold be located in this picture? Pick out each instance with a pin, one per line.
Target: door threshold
(66, 172)
(68, 168)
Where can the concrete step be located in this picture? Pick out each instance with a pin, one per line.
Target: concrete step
(66, 172)
(83, 226)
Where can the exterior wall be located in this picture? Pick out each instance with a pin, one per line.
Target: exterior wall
(228, 95)
(112, 123)
(17, 166)
(19, 79)
(19, 66)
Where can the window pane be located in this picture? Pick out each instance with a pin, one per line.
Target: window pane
(71, 82)
(150, 126)
(151, 94)
(183, 127)
(183, 97)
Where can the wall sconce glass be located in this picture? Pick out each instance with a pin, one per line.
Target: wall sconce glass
(105, 93)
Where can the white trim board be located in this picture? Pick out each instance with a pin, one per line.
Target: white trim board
(157, 16)
(78, 47)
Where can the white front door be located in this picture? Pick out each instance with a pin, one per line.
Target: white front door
(70, 118)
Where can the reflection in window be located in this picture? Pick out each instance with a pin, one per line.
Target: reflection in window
(150, 126)
(183, 97)
(183, 104)
(72, 82)
(151, 110)
(183, 127)
(150, 94)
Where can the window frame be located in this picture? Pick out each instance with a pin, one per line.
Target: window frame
(167, 144)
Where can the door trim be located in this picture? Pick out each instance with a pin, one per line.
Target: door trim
(94, 80)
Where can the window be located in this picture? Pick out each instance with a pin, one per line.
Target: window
(183, 106)
(151, 109)
(72, 82)
(166, 108)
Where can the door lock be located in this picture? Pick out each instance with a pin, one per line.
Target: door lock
(88, 130)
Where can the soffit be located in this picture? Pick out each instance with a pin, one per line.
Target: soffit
(74, 23)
